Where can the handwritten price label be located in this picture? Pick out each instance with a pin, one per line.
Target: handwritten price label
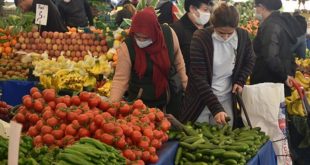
(41, 14)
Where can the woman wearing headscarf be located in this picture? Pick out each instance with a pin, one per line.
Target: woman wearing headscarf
(221, 59)
(145, 59)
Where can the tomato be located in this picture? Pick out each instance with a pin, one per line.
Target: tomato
(138, 104)
(104, 105)
(116, 105)
(165, 125)
(70, 130)
(33, 90)
(93, 102)
(38, 106)
(59, 143)
(36, 95)
(146, 156)
(112, 111)
(61, 114)
(165, 138)
(46, 129)
(121, 143)
(124, 109)
(95, 111)
(67, 140)
(52, 104)
(20, 118)
(152, 125)
(75, 100)
(145, 119)
(129, 154)
(34, 118)
(67, 100)
(136, 128)
(52, 121)
(138, 153)
(83, 132)
(90, 115)
(151, 116)
(37, 141)
(71, 116)
(152, 150)
(98, 133)
(148, 132)
(47, 114)
(140, 162)
(158, 134)
(59, 100)
(136, 136)
(159, 115)
(32, 131)
(106, 115)
(83, 119)
(84, 96)
(49, 95)
(28, 102)
(118, 132)
(26, 97)
(92, 127)
(127, 129)
(136, 112)
(107, 138)
(63, 126)
(108, 127)
(128, 140)
(156, 143)
(58, 134)
(75, 124)
(61, 106)
(98, 119)
(39, 124)
(153, 158)
(46, 108)
(84, 107)
(78, 111)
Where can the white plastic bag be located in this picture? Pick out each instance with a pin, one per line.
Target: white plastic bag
(263, 104)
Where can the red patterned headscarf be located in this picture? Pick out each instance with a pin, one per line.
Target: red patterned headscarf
(146, 22)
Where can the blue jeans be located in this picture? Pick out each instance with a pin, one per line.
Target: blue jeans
(300, 47)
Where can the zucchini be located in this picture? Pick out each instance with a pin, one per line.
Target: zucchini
(218, 152)
(230, 162)
(186, 145)
(231, 155)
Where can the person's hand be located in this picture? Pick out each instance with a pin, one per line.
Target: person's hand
(289, 80)
(237, 89)
(220, 118)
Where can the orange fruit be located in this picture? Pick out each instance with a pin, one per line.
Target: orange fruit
(6, 44)
(13, 42)
(8, 50)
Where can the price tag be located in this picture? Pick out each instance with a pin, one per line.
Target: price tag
(4, 129)
(41, 14)
(14, 133)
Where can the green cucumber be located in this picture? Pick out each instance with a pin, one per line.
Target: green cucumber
(230, 162)
(218, 152)
(178, 156)
(186, 145)
(231, 155)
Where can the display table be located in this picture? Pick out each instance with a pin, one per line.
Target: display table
(14, 90)
(266, 155)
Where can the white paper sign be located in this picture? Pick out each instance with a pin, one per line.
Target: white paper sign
(41, 14)
(4, 129)
(14, 133)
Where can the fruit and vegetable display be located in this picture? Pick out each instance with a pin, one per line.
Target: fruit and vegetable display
(28, 154)
(136, 130)
(5, 109)
(303, 65)
(90, 151)
(201, 143)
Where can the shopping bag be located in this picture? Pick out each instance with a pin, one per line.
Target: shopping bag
(265, 104)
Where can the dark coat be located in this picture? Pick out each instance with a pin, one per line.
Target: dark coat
(273, 48)
(199, 92)
(184, 28)
(54, 20)
(166, 15)
(76, 13)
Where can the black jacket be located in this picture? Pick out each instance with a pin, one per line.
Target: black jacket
(166, 15)
(273, 48)
(76, 13)
(184, 28)
(54, 20)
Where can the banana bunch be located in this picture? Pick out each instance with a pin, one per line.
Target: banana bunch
(105, 89)
(69, 79)
(46, 81)
(304, 63)
(304, 81)
(294, 104)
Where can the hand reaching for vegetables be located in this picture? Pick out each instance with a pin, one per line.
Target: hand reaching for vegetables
(220, 118)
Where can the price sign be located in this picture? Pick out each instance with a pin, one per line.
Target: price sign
(14, 133)
(4, 129)
(41, 14)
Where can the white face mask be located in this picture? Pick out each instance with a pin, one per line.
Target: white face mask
(67, 1)
(216, 36)
(203, 18)
(258, 16)
(144, 44)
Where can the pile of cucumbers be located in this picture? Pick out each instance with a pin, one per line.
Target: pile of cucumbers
(88, 151)
(28, 155)
(204, 144)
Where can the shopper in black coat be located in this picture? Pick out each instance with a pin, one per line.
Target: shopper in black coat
(273, 45)
(189, 23)
(54, 20)
(76, 13)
